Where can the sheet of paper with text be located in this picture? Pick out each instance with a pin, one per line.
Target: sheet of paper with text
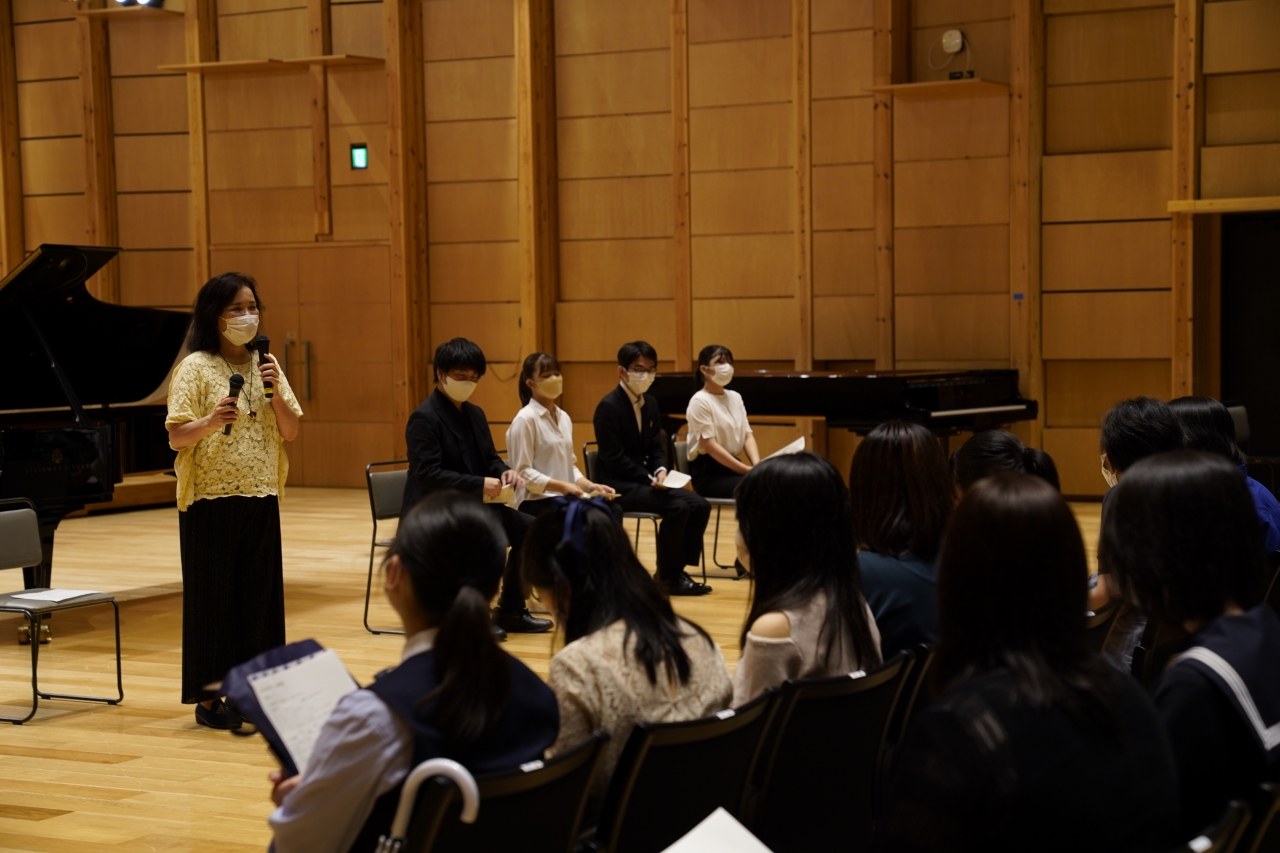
(299, 696)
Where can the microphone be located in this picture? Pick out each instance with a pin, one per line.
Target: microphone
(262, 346)
(237, 382)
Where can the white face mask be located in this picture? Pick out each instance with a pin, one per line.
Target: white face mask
(639, 382)
(458, 390)
(1109, 476)
(723, 374)
(552, 386)
(240, 330)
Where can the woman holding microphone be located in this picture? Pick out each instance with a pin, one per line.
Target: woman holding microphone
(231, 470)
(540, 440)
(718, 430)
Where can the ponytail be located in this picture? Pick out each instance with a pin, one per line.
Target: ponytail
(474, 676)
(1040, 464)
(993, 450)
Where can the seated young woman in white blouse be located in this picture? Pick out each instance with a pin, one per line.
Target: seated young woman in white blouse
(718, 430)
(540, 439)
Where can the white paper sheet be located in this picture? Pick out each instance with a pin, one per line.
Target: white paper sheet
(506, 496)
(299, 696)
(56, 594)
(719, 833)
(794, 447)
(675, 480)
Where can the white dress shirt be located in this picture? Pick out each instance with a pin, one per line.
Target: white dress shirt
(719, 416)
(363, 751)
(540, 449)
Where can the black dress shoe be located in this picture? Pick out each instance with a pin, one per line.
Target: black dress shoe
(218, 717)
(685, 585)
(521, 622)
(498, 634)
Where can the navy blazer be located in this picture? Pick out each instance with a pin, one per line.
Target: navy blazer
(437, 447)
(628, 454)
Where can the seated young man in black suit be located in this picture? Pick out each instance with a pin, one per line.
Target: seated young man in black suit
(450, 447)
(632, 462)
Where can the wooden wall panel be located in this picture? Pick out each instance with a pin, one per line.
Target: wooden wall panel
(756, 136)
(361, 212)
(325, 275)
(844, 327)
(967, 259)
(53, 219)
(357, 28)
(932, 13)
(154, 220)
(615, 269)
(971, 327)
(951, 192)
(1128, 116)
(34, 11)
(50, 108)
(1242, 108)
(471, 150)
(588, 26)
(740, 72)
(488, 324)
(357, 95)
(53, 166)
(467, 29)
(841, 64)
(1240, 171)
(497, 392)
(245, 7)
(757, 202)
(615, 207)
(989, 58)
(828, 15)
(1240, 35)
(471, 212)
(330, 451)
(741, 265)
(950, 128)
(1099, 48)
(1077, 456)
(154, 163)
(1079, 393)
(613, 83)
(257, 101)
(844, 263)
(1071, 7)
(273, 157)
(261, 216)
(842, 197)
(282, 34)
(842, 131)
(755, 329)
(165, 277)
(729, 20)
(41, 51)
(593, 331)
(149, 104)
(1093, 187)
(1107, 325)
(471, 89)
(614, 146)
(1107, 256)
(138, 46)
(470, 272)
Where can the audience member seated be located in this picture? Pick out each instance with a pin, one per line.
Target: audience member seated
(627, 657)
(1186, 548)
(807, 618)
(995, 450)
(902, 495)
(1131, 431)
(1210, 428)
(1033, 743)
(718, 430)
(455, 694)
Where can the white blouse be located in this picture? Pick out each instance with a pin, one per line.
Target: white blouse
(540, 449)
(718, 416)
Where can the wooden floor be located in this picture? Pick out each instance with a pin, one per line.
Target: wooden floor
(142, 776)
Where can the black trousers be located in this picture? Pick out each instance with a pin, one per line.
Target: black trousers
(515, 525)
(711, 479)
(232, 587)
(684, 521)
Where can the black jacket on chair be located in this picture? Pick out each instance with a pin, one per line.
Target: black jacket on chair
(440, 454)
(628, 454)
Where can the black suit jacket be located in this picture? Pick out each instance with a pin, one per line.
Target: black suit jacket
(437, 443)
(628, 454)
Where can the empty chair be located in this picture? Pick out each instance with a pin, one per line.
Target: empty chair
(821, 760)
(386, 495)
(1098, 624)
(672, 775)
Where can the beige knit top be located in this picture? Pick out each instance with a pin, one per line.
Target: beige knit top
(601, 685)
(767, 662)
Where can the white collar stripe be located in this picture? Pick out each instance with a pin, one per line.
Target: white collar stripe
(1270, 737)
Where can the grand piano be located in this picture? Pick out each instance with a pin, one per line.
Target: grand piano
(945, 401)
(82, 399)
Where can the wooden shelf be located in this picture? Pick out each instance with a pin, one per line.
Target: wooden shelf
(116, 11)
(974, 87)
(1226, 205)
(271, 64)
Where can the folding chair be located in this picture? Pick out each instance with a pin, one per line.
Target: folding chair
(682, 465)
(591, 458)
(386, 495)
(20, 549)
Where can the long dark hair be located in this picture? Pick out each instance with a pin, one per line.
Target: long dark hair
(1182, 537)
(1208, 426)
(454, 551)
(901, 491)
(217, 293)
(1012, 595)
(793, 514)
(534, 364)
(1000, 450)
(596, 572)
(706, 355)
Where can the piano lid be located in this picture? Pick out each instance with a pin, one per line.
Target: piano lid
(110, 354)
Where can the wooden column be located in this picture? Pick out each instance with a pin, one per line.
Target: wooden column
(891, 33)
(101, 227)
(201, 19)
(1188, 130)
(407, 196)
(802, 151)
(11, 226)
(538, 188)
(320, 44)
(681, 242)
(1026, 149)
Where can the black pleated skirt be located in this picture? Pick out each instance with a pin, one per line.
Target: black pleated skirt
(232, 587)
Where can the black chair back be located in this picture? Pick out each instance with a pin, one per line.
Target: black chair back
(670, 776)
(536, 808)
(1098, 624)
(821, 760)
(915, 697)
(1159, 643)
